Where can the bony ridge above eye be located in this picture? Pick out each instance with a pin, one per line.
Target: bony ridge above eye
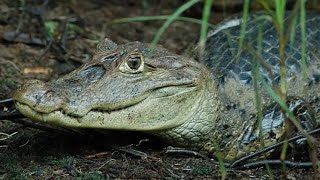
(110, 57)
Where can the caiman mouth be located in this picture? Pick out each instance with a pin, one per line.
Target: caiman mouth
(123, 118)
(28, 111)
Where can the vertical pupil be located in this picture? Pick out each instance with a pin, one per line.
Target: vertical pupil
(134, 63)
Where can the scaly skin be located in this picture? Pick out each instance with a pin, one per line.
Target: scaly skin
(128, 87)
(109, 95)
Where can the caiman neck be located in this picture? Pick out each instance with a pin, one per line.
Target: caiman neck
(199, 130)
(211, 124)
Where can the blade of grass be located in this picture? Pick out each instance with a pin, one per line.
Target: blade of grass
(279, 24)
(266, 6)
(203, 36)
(171, 18)
(255, 74)
(162, 17)
(256, 78)
(292, 23)
(280, 10)
(303, 37)
(283, 154)
(269, 171)
(222, 167)
(288, 112)
(243, 25)
(204, 27)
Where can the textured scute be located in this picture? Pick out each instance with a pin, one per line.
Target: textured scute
(223, 46)
(236, 81)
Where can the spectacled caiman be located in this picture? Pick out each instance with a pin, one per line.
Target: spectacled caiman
(129, 87)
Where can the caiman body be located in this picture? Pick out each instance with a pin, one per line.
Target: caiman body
(129, 87)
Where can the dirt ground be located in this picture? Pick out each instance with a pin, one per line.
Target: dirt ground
(75, 28)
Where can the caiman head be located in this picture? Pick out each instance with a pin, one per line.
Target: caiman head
(123, 87)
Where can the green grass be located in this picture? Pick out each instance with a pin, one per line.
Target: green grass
(66, 162)
(245, 15)
(202, 170)
(10, 167)
(303, 37)
(278, 93)
(161, 18)
(285, 34)
(92, 175)
(170, 19)
(204, 22)
(204, 27)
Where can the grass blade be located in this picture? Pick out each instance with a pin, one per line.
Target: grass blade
(243, 25)
(303, 37)
(161, 17)
(170, 19)
(204, 26)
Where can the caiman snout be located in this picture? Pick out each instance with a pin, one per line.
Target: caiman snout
(39, 96)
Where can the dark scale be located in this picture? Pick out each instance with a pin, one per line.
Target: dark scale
(220, 56)
(273, 117)
(222, 48)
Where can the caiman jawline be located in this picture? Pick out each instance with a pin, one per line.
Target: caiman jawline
(75, 117)
(76, 120)
(62, 118)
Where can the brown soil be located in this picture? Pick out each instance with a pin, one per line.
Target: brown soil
(35, 154)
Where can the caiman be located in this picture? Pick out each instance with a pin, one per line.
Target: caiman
(196, 104)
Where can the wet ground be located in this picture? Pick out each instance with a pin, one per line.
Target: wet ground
(75, 28)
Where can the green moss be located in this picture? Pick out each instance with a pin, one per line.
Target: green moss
(66, 162)
(202, 170)
(10, 167)
(94, 175)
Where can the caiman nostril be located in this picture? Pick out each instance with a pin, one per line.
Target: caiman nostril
(38, 99)
(47, 95)
(39, 96)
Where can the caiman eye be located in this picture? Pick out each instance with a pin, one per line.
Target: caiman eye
(134, 62)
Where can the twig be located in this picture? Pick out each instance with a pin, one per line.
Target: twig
(6, 100)
(171, 150)
(11, 116)
(45, 127)
(134, 152)
(266, 149)
(275, 162)
(7, 136)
